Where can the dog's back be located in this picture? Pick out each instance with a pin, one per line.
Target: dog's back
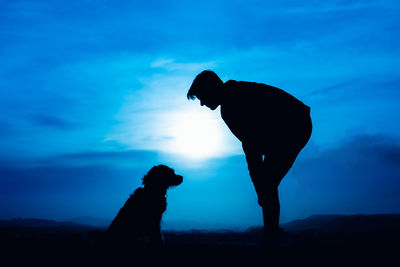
(139, 219)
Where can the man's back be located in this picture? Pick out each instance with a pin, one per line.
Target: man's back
(260, 114)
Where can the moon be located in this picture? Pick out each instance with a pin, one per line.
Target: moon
(197, 134)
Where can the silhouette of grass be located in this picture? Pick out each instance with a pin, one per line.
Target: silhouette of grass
(313, 246)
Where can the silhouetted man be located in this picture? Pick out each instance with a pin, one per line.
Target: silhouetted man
(273, 127)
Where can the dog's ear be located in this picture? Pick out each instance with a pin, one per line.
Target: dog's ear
(156, 174)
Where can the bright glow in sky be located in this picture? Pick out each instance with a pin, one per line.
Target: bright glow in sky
(196, 134)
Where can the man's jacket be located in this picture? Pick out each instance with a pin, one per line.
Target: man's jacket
(263, 117)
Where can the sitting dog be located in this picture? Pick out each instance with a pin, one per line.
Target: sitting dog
(138, 221)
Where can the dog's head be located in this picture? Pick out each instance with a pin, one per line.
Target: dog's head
(161, 176)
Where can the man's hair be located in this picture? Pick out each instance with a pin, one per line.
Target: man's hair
(205, 80)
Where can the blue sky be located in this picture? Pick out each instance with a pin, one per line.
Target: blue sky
(93, 94)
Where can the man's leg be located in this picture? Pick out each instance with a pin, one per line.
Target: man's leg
(266, 175)
(275, 167)
(271, 211)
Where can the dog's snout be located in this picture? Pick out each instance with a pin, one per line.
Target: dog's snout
(179, 178)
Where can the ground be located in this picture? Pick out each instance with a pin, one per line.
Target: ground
(323, 242)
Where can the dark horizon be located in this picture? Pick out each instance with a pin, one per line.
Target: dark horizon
(342, 223)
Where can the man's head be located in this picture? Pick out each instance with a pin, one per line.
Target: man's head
(207, 87)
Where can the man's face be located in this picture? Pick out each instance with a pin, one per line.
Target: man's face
(208, 102)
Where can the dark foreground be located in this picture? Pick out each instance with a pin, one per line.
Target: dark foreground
(317, 241)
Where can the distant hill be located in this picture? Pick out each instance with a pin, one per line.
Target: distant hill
(94, 221)
(346, 223)
(38, 228)
(38, 223)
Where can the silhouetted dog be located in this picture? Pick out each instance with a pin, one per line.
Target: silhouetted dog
(138, 221)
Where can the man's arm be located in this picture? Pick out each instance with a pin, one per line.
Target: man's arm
(254, 161)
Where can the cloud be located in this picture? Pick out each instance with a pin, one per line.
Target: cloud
(335, 6)
(96, 183)
(65, 191)
(157, 116)
(66, 185)
(364, 87)
(172, 65)
(359, 175)
(375, 152)
(95, 155)
(117, 158)
(49, 121)
(6, 129)
(330, 89)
